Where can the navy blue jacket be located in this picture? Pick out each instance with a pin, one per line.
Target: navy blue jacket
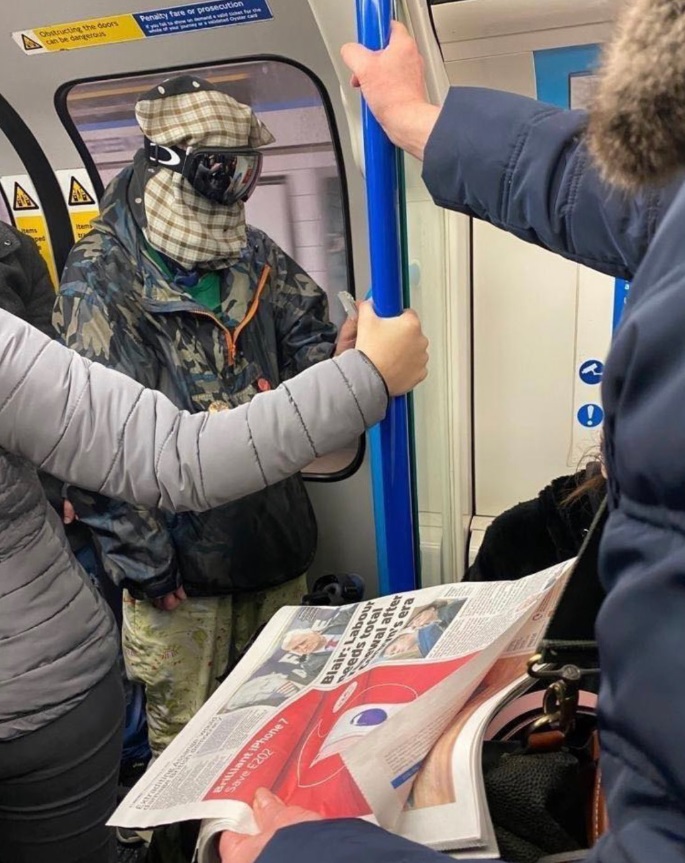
(522, 165)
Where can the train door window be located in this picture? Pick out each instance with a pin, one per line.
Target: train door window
(582, 87)
(300, 201)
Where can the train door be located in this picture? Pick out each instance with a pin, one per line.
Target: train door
(541, 326)
(439, 265)
(518, 335)
(72, 71)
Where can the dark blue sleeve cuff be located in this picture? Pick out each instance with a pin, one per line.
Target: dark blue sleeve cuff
(344, 841)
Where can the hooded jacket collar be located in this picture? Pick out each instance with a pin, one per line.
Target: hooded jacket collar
(9, 241)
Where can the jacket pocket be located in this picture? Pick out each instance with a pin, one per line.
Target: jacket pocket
(261, 541)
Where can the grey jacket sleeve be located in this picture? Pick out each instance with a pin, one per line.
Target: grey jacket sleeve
(94, 427)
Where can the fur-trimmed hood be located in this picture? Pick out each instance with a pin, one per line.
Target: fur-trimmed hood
(636, 131)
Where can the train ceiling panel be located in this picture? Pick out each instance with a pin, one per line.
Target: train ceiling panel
(478, 28)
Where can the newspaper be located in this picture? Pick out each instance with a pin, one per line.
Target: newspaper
(336, 709)
(447, 809)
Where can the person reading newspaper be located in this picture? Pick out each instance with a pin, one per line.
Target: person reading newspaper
(393, 676)
(526, 168)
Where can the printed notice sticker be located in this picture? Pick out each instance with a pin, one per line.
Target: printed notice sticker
(141, 25)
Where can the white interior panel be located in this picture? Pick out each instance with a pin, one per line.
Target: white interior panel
(484, 28)
(471, 20)
(515, 69)
(523, 355)
(537, 319)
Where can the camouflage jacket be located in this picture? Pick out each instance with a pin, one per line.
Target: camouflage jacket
(117, 307)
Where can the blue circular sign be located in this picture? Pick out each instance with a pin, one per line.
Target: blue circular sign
(590, 416)
(591, 372)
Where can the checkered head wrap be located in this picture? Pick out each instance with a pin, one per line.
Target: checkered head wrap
(189, 112)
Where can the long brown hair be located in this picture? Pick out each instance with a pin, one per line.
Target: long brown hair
(590, 479)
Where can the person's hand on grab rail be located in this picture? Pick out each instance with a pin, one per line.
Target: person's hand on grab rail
(393, 84)
(271, 814)
(396, 346)
(171, 601)
(347, 337)
(68, 513)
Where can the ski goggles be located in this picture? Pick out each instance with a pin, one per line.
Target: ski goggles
(225, 175)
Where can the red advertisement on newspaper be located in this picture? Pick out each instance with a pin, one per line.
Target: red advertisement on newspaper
(299, 753)
(336, 708)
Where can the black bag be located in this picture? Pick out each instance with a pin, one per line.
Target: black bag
(543, 786)
(174, 843)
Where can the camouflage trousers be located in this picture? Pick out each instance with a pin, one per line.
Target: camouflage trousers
(179, 656)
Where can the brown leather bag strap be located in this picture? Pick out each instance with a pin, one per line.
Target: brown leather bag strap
(599, 819)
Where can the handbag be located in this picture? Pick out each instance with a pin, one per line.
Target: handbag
(541, 775)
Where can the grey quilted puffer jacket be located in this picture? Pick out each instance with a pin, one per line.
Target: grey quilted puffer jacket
(99, 429)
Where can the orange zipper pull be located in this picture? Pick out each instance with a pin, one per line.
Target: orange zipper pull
(231, 348)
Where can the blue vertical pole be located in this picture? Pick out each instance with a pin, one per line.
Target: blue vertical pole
(390, 459)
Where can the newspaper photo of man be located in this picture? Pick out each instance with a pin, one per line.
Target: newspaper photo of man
(441, 611)
(270, 689)
(300, 657)
(423, 630)
(315, 645)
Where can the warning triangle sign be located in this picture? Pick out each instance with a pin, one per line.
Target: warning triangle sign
(78, 195)
(30, 44)
(22, 199)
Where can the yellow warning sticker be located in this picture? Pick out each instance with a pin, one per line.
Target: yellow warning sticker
(27, 215)
(83, 34)
(22, 200)
(30, 44)
(187, 18)
(79, 197)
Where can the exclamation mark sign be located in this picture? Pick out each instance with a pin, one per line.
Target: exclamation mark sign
(590, 416)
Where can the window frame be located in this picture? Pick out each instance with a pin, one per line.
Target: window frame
(36, 164)
(61, 107)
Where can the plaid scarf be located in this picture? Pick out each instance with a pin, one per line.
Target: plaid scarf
(181, 224)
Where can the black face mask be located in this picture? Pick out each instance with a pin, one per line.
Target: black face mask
(224, 175)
